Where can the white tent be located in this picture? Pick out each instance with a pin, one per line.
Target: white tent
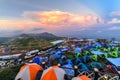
(57, 42)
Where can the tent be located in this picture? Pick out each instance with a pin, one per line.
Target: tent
(115, 64)
(57, 42)
(77, 50)
(68, 69)
(77, 60)
(69, 62)
(28, 72)
(114, 54)
(82, 67)
(98, 44)
(114, 61)
(83, 77)
(93, 65)
(57, 55)
(97, 52)
(53, 73)
(86, 59)
(37, 60)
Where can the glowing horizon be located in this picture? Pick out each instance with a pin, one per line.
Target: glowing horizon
(73, 18)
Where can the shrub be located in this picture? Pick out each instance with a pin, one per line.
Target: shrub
(9, 73)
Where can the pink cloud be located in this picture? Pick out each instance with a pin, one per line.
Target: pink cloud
(59, 18)
(52, 20)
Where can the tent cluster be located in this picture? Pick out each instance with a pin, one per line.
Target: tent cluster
(35, 72)
(74, 61)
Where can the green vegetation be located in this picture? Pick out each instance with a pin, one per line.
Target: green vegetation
(9, 73)
(30, 43)
(33, 41)
(3, 40)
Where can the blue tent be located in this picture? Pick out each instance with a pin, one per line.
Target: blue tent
(37, 60)
(114, 61)
(63, 57)
(93, 65)
(98, 44)
(69, 62)
(77, 50)
(85, 59)
(86, 47)
(90, 47)
(57, 55)
(67, 70)
(45, 59)
(93, 45)
(77, 60)
(78, 45)
(83, 67)
(115, 64)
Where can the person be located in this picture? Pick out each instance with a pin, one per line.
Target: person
(51, 58)
(119, 74)
(76, 70)
(96, 72)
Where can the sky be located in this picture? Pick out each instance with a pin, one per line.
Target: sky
(70, 18)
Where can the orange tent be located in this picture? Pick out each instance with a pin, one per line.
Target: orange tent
(53, 73)
(28, 72)
(83, 77)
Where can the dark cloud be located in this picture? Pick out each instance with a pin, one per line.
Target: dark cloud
(36, 29)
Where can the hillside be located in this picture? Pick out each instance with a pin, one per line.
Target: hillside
(44, 35)
(31, 41)
(4, 40)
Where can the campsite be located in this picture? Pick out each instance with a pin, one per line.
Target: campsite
(71, 59)
(59, 39)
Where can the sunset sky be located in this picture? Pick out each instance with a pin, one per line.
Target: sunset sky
(76, 18)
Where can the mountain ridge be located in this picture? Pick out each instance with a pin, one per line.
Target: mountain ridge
(33, 36)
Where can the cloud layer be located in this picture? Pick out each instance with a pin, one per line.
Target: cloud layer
(114, 21)
(59, 18)
(115, 13)
(52, 19)
(114, 28)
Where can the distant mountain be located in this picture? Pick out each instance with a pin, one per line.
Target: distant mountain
(29, 39)
(40, 40)
(23, 35)
(44, 35)
(48, 35)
